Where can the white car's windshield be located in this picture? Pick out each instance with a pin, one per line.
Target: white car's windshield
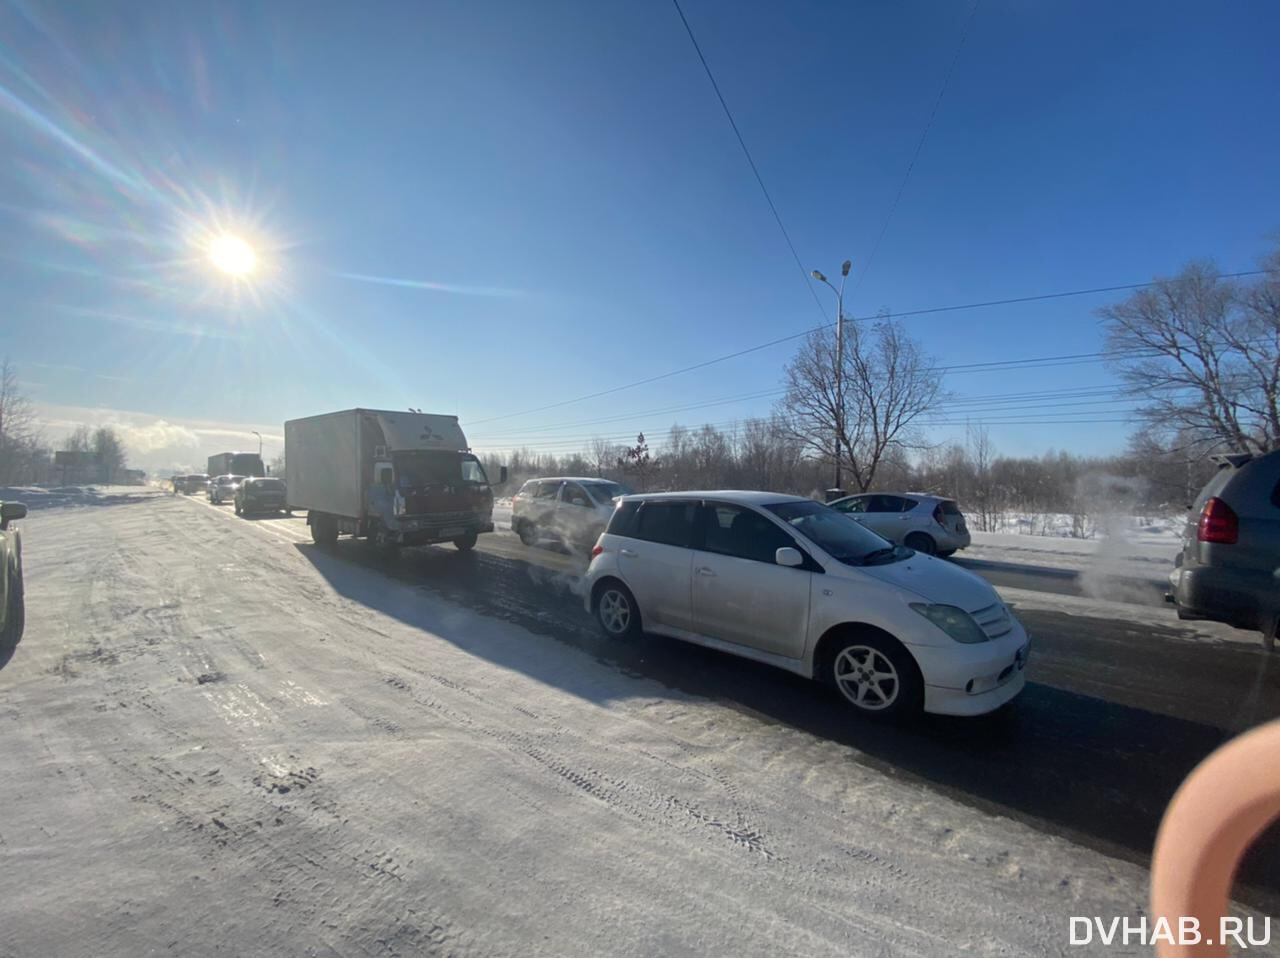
(836, 534)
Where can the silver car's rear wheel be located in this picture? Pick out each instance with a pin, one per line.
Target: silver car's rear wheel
(616, 611)
(921, 542)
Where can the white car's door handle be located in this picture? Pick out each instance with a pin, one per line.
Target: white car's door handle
(705, 570)
(628, 553)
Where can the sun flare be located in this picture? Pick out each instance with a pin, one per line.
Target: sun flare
(232, 255)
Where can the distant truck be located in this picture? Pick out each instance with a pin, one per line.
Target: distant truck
(393, 478)
(236, 464)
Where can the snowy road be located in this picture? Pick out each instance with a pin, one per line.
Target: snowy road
(221, 740)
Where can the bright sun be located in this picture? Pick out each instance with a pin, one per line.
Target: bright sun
(232, 255)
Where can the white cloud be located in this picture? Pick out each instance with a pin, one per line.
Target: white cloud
(162, 443)
(158, 435)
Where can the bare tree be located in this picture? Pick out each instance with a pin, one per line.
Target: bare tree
(80, 440)
(601, 454)
(19, 432)
(888, 386)
(982, 453)
(1203, 356)
(108, 448)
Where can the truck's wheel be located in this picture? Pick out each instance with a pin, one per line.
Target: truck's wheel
(466, 543)
(239, 511)
(324, 529)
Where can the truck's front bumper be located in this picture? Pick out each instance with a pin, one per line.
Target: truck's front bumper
(424, 531)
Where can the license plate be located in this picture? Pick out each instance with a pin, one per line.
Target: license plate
(452, 532)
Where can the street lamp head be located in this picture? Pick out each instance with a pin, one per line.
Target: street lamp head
(845, 267)
(818, 276)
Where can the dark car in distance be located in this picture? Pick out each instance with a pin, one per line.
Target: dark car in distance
(1229, 567)
(256, 495)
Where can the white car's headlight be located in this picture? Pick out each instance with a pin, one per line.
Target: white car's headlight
(956, 622)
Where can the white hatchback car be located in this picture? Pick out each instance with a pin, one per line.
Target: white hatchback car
(933, 525)
(793, 583)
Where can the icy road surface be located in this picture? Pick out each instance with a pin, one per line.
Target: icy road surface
(218, 739)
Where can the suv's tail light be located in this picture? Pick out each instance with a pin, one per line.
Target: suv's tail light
(1218, 523)
(596, 550)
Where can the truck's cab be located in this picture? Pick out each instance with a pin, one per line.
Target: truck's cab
(426, 486)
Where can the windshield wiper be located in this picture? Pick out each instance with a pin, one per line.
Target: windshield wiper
(879, 554)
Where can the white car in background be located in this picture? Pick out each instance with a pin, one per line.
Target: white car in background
(568, 508)
(223, 488)
(796, 584)
(933, 525)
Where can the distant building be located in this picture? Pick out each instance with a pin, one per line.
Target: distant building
(133, 477)
(78, 468)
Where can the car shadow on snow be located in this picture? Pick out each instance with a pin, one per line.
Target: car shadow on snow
(8, 646)
(1099, 771)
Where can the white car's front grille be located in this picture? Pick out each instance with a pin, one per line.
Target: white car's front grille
(994, 620)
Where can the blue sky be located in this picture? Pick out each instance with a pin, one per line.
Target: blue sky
(557, 184)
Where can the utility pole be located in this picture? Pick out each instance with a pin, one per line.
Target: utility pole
(839, 416)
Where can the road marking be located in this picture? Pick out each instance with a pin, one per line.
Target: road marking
(271, 530)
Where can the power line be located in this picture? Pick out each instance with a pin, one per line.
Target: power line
(1034, 362)
(946, 414)
(994, 401)
(924, 135)
(890, 315)
(751, 162)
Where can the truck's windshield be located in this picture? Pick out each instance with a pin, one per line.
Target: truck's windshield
(421, 469)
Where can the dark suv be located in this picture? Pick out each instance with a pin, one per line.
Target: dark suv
(1229, 567)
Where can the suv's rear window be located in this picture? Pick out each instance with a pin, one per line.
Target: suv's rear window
(949, 508)
(273, 485)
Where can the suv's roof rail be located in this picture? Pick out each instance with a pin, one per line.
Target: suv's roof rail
(1233, 459)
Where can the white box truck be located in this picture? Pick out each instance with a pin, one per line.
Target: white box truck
(394, 478)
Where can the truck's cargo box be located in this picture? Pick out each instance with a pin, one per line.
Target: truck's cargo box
(328, 458)
(322, 463)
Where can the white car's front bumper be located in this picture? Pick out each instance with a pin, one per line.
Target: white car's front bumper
(974, 679)
(942, 701)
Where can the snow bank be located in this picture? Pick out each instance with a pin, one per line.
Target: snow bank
(38, 497)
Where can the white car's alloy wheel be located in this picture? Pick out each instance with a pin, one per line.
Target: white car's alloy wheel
(615, 611)
(867, 678)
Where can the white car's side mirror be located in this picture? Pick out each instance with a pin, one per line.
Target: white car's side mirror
(789, 557)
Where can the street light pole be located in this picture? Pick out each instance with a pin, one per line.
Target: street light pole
(259, 435)
(839, 411)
